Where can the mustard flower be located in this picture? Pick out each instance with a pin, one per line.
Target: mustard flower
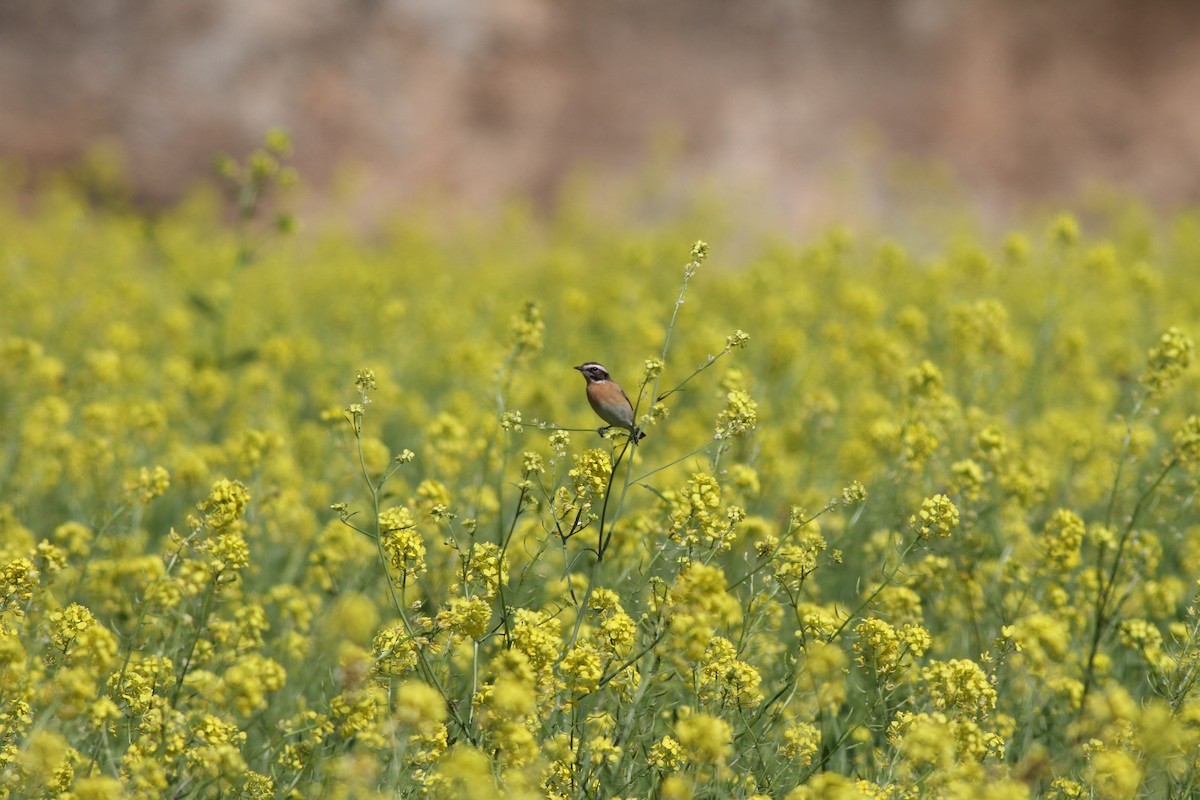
(766, 546)
(591, 474)
(924, 381)
(256, 787)
(1066, 789)
(532, 464)
(700, 589)
(364, 383)
(403, 545)
(148, 484)
(394, 651)
(1187, 442)
(898, 603)
(18, 579)
(801, 741)
(1142, 636)
(854, 494)
(12, 654)
(511, 421)
(991, 445)
(1061, 539)
(981, 328)
(253, 446)
(559, 441)
(81, 639)
(308, 731)
(466, 616)
(227, 552)
(358, 714)
(617, 631)
(651, 369)
(695, 517)
(704, 739)
(920, 442)
(603, 751)
(665, 754)
(485, 568)
(51, 558)
(967, 479)
(827, 786)
(216, 754)
(938, 516)
(1167, 360)
(739, 416)
(582, 669)
(225, 505)
(1115, 775)
(506, 709)
(98, 787)
(880, 648)
(675, 787)
(926, 741)
(527, 330)
(724, 677)
(71, 692)
(141, 681)
(420, 706)
(1068, 691)
(793, 563)
(75, 538)
(48, 763)
(737, 340)
(1063, 230)
(823, 676)
(537, 635)
(915, 638)
(959, 686)
(248, 681)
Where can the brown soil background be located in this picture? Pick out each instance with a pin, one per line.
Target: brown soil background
(804, 108)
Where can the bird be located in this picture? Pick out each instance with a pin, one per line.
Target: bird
(609, 400)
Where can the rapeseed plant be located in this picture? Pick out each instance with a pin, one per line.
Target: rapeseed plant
(925, 531)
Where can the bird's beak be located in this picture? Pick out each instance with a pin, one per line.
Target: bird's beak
(580, 368)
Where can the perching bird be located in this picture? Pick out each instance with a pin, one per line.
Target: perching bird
(608, 399)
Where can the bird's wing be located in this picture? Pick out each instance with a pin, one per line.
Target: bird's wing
(625, 396)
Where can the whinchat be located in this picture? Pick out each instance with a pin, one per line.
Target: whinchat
(608, 399)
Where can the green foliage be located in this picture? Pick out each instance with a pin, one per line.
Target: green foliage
(330, 517)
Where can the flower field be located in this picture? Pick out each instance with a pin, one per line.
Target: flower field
(327, 515)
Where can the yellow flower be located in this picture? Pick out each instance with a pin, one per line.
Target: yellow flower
(739, 416)
(466, 616)
(801, 741)
(582, 669)
(1166, 361)
(1115, 775)
(705, 739)
(148, 484)
(537, 635)
(959, 686)
(226, 503)
(938, 517)
(665, 754)
(419, 706)
(18, 578)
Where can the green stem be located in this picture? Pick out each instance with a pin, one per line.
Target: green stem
(425, 666)
(1106, 585)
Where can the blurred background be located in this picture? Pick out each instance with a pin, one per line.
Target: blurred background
(803, 110)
